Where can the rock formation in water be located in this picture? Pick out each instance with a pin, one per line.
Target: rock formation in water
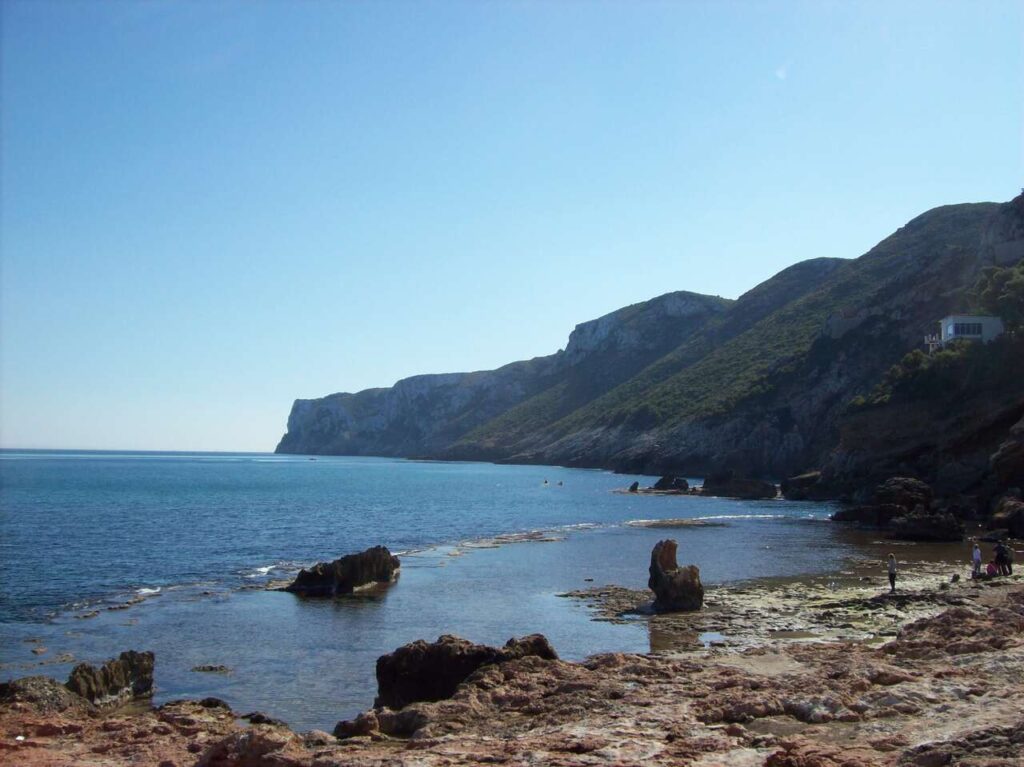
(674, 587)
(727, 485)
(374, 566)
(903, 507)
(671, 482)
(126, 678)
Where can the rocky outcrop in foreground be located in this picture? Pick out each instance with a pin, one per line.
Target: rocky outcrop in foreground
(352, 572)
(946, 690)
(116, 682)
(423, 671)
(88, 689)
(674, 587)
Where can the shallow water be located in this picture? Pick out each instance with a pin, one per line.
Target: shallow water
(201, 534)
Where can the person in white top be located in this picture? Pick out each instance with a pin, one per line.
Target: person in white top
(976, 561)
(892, 573)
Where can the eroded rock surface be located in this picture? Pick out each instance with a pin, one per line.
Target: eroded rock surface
(116, 682)
(675, 588)
(427, 671)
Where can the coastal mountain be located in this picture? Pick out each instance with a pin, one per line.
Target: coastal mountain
(424, 415)
(685, 382)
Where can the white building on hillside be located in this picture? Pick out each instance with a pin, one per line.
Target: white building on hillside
(965, 327)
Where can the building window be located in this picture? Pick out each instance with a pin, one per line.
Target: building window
(967, 329)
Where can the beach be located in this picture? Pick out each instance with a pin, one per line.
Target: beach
(936, 682)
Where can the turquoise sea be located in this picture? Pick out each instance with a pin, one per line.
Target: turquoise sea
(197, 536)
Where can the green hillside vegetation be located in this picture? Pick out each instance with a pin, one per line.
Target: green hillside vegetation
(740, 356)
(964, 365)
(1000, 291)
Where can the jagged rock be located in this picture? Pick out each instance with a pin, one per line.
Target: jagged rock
(728, 486)
(920, 525)
(118, 681)
(635, 487)
(1008, 461)
(345, 575)
(904, 491)
(671, 482)
(422, 671)
(44, 695)
(675, 588)
(1009, 515)
(869, 516)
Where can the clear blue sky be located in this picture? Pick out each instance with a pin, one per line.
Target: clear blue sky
(212, 208)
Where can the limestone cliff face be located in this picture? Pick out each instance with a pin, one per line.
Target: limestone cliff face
(1003, 241)
(423, 415)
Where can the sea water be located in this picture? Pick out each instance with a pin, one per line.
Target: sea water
(190, 541)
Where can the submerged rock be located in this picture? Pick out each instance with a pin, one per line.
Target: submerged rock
(118, 681)
(675, 588)
(422, 671)
(345, 575)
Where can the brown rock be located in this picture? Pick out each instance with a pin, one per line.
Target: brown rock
(423, 672)
(675, 588)
(345, 575)
(43, 695)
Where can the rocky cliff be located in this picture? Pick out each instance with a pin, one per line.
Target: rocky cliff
(689, 383)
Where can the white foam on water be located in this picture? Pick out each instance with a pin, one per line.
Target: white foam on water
(743, 516)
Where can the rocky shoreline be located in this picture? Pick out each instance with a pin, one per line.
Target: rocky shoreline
(810, 672)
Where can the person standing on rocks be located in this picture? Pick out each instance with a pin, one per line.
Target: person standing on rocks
(976, 561)
(1000, 557)
(892, 573)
